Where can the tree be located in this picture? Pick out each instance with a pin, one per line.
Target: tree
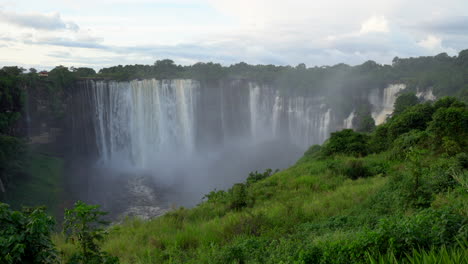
(404, 101)
(25, 236)
(365, 124)
(450, 125)
(83, 224)
(415, 117)
(348, 142)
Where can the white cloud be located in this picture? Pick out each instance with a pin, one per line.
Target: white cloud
(227, 31)
(431, 43)
(38, 21)
(375, 24)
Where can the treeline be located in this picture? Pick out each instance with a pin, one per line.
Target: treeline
(446, 75)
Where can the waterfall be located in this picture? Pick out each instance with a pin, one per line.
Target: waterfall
(348, 122)
(383, 104)
(301, 120)
(136, 120)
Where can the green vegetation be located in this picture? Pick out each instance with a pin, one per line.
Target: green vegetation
(359, 198)
(83, 225)
(11, 103)
(25, 236)
(404, 101)
(40, 184)
(444, 74)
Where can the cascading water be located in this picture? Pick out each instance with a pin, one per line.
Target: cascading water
(303, 121)
(348, 122)
(138, 120)
(383, 104)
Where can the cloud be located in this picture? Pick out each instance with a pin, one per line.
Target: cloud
(457, 25)
(72, 43)
(431, 42)
(38, 21)
(375, 24)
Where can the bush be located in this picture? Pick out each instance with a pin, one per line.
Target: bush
(238, 196)
(403, 102)
(415, 117)
(406, 141)
(452, 123)
(346, 142)
(355, 169)
(313, 151)
(256, 176)
(25, 236)
(83, 225)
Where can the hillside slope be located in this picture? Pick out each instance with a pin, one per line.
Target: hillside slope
(396, 194)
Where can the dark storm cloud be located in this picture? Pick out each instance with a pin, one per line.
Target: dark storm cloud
(38, 21)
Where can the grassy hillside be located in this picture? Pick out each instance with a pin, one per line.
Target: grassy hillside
(398, 194)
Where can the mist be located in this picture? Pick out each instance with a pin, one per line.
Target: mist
(150, 145)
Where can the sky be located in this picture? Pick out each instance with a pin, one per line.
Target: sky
(102, 33)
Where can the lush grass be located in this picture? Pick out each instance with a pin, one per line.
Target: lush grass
(40, 185)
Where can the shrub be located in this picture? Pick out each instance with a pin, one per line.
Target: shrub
(379, 140)
(355, 169)
(451, 122)
(403, 102)
(406, 141)
(313, 151)
(448, 101)
(415, 117)
(238, 196)
(83, 225)
(256, 176)
(462, 159)
(25, 236)
(365, 124)
(346, 142)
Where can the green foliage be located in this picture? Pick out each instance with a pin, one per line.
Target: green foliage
(83, 72)
(256, 176)
(415, 117)
(355, 169)
(313, 151)
(25, 236)
(403, 102)
(406, 141)
(450, 127)
(238, 196)
(11, 103)
(366, 124)
(83, 226)
(346, 142)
